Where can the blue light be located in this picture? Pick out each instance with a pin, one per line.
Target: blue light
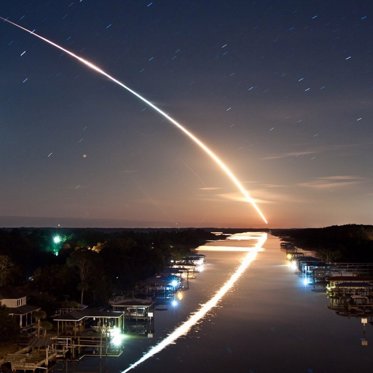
(174, 303)
(306, 281)
(174, 283)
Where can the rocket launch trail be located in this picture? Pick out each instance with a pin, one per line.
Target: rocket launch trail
(217, 160)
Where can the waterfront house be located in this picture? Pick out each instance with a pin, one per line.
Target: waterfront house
(133, 308)
(16, 303)
(138, 315)
(90, 332)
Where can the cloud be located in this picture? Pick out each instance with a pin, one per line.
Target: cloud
(344, 149)
(271, 186)
(290, 155)
(263, 197)
(332, 182)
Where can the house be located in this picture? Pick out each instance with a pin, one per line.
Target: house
(133, 308)
(138, 314)
(89, 332)
(16, 303)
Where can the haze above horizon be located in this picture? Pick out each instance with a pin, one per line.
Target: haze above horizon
(282, 91)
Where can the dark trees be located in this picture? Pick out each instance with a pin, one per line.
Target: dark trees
(8, 326)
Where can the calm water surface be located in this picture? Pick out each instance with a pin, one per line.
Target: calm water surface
(269, 322)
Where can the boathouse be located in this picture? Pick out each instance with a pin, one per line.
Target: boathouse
(91, 332)
(16, 303)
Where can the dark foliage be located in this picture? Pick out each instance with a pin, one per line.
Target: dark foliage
(92, 264)
(337, 243)
(8, 326)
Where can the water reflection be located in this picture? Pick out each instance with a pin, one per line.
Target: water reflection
(195, 317)
(270, 323)
(348, 286)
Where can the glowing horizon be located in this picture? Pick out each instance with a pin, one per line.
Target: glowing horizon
(193, 319)
(217, 160)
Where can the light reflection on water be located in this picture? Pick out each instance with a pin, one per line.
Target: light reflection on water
(269, 322)
(198, 315)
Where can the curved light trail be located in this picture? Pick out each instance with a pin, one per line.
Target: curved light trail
(184, 328)
(186, 132)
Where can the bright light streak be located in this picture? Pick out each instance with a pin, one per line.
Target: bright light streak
(186, 132)
(184, 328)
(223, 248)
(244, 236)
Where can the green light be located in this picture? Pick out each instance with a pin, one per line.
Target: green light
(57, 239)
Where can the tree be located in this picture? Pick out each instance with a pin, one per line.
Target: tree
(84, 260)
(9, 328)
(7, 269)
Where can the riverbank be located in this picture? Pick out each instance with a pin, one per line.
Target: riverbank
(345, 243)
(269, 322)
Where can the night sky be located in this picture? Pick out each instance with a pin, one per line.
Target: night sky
(281, 90)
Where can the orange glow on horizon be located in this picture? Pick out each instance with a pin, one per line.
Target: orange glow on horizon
(207, 150)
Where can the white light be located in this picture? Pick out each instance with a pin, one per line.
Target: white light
(174, 283)
(224, 248)
(174, 303)
(293, 265)
(306, 281)
(57, 239)
(186, 132)
(116, 337)
(194, 318)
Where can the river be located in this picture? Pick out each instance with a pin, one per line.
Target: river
(268, 322)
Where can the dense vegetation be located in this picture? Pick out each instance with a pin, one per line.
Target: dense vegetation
(91, 265)
(336, 243)
(8, 326)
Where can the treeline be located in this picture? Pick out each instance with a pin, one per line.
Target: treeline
(336, 243)
(61, 266)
